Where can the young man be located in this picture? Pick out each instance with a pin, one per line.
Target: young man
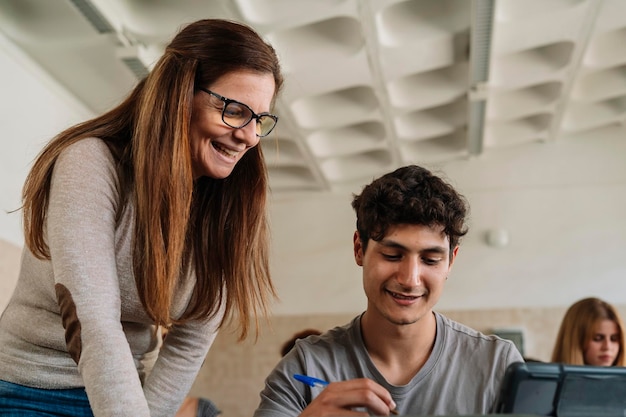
(399, 356)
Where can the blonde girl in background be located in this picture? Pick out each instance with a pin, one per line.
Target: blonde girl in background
(591, 333)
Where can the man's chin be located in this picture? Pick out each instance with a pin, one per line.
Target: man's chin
(403, 321)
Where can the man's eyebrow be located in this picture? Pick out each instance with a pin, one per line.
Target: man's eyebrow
(391, 244)
(436, 249)
(396, 245)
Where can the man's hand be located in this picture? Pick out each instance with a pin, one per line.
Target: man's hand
(345, 398)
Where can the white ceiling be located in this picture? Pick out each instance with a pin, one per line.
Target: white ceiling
(370, 84)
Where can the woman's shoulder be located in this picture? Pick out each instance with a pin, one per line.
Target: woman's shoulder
(88, 148)
(86, 163)
(87, 154)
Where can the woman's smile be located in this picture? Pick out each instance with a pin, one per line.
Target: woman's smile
(215, 146)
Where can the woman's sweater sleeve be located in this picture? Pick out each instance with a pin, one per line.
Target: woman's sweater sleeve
(85, 251)
(177, 366)
(81, 227)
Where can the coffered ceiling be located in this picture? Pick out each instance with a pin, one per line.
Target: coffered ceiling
(370, 84)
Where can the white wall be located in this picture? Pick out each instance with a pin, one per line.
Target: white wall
(564, 204)
(33, 108)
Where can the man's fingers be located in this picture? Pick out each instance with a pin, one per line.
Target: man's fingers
(351, 398)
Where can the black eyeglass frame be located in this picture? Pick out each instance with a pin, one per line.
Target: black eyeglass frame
(226, 101)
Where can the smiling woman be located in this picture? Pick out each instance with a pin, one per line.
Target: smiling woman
(219, 142)
(152, 214)
(591, 333)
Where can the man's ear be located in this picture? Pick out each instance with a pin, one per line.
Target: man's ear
(453, 257)
(358, 248)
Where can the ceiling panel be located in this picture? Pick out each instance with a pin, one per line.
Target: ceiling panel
(370, 84)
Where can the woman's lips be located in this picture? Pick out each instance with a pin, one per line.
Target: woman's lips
(224, 151)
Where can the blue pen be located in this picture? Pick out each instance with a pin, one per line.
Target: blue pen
(310, 381)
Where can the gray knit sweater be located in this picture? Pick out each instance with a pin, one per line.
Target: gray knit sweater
(108, 332)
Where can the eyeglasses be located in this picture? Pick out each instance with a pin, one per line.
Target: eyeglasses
(238, 115)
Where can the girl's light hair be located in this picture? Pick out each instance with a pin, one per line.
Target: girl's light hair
(577, 330)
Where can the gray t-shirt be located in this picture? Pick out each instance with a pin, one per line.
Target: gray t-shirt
(461, 376)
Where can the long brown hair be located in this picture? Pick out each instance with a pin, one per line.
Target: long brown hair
(577, 330)
(218, 228)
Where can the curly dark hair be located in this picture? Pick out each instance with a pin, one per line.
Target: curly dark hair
(409, 195)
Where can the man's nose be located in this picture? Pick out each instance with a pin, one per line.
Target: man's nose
(409, 275)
